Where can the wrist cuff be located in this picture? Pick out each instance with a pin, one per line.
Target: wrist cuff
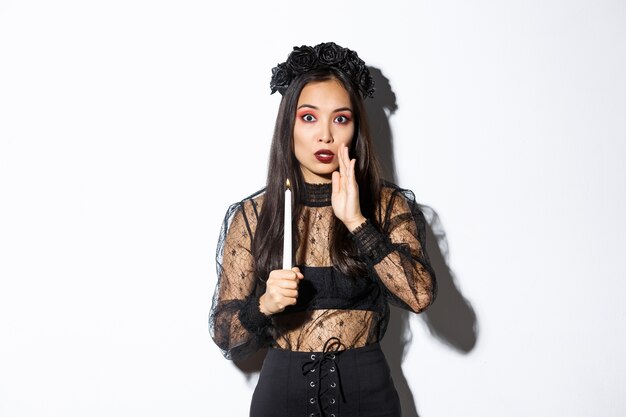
(372, 245)
(251, 317)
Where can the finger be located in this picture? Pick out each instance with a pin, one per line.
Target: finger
(347, 159)
(351, 170)
(287, 274)
(289, 293)
(348, 164)
(336, 183)
(299, 274)
(342, 167)
(289, 301)
(287, 284)
(279, 275)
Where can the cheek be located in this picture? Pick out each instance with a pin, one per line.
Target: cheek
(299, 148)
(297, 137)
(345, 135)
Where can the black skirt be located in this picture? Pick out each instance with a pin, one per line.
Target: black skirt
(348, 383)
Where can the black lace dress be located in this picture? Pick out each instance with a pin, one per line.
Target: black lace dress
(334, 314)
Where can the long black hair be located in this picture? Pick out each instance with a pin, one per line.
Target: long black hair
(268, 237)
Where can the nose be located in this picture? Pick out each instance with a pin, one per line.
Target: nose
(325, 135)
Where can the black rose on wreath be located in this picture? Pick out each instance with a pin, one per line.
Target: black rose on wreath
(330, 53)
(302, 59)
(281, 78)
(366, 83)
(352, 64)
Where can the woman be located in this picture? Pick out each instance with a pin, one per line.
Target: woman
(359, 244)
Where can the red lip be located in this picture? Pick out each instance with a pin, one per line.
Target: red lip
(325, 156)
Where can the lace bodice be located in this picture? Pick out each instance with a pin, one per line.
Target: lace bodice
(330, 304)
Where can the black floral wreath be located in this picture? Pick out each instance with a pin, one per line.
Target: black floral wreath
(305, 58)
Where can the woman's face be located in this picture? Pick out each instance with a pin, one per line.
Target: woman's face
(324, 121)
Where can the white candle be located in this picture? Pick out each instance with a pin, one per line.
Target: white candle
(287, 228)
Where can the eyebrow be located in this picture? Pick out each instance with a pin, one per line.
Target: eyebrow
(316, 108)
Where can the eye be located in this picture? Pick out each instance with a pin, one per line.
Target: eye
(342, 119)
(308, 117)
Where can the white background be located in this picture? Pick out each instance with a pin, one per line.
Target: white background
(128, 127)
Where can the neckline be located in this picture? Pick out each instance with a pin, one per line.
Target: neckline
(317, 195)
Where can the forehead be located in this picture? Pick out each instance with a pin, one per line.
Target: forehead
(329, 93)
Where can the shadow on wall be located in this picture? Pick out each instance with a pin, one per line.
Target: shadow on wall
(451, 318)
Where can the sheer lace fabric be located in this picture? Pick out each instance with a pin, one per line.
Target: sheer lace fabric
(354, 309)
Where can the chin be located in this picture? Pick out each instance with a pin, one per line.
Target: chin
(324, 172)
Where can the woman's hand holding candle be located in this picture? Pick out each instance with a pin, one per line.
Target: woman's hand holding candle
(345, 197)
(282, 285)
(281, 290)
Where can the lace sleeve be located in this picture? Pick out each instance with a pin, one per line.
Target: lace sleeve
(235, 322)
(396, 255)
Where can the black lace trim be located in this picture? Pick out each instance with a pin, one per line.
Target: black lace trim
(373, 246)
(317, 195)
(251, 317)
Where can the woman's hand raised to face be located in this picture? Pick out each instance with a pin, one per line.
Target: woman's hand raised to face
(281, 290)
(345, 197)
